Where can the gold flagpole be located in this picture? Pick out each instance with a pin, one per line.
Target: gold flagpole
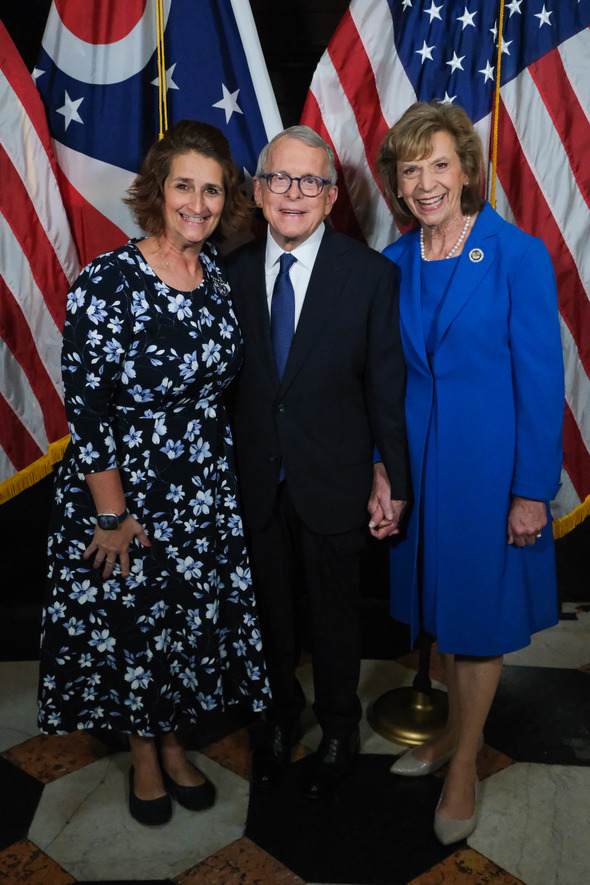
(162, 92)
(496, 109)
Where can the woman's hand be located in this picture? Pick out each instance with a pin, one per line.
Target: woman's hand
(109, 546)
(385, 513)
(525, 521)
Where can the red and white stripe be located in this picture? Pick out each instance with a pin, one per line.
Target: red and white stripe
(544, 139)
(38, 261)
(349, 103)
(360, 88)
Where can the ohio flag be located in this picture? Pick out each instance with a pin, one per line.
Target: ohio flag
(98, 77)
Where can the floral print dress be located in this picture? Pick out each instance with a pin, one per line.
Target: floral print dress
(144, 368)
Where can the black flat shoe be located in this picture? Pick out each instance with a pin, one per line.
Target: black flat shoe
(149, 811)
(194, 798)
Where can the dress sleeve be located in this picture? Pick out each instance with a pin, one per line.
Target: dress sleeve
(96, 341)
(537, 373)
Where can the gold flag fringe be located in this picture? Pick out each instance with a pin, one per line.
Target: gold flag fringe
(569, 521)
(36, 471)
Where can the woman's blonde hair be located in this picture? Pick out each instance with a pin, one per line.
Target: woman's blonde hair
(411, 139)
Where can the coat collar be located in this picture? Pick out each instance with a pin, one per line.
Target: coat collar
(476, 260)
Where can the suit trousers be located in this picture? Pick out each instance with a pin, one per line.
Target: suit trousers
(307, 589)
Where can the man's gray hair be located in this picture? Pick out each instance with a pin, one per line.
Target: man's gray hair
(306, 136)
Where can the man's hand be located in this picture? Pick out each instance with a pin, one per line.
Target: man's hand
(385, 513)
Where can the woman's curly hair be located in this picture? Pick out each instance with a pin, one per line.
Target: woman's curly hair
(146, 194)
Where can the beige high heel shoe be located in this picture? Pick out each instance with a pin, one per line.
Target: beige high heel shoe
(408, 766)
(447, 830)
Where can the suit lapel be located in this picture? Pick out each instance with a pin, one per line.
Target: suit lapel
(256, 307)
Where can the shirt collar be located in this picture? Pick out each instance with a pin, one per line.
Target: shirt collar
(305, 253)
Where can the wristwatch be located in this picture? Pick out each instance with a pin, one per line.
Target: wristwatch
(110, 521)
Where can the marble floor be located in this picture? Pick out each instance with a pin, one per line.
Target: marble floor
(63, 814)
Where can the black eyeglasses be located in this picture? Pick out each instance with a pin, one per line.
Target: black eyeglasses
(280, 182)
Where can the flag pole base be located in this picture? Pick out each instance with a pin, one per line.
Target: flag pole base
(408, 716)
(413, 714)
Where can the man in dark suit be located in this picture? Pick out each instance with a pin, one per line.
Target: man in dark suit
(322, 382)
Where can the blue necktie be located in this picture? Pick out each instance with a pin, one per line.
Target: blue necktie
(282, 312)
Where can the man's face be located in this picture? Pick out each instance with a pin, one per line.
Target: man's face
(292, 217)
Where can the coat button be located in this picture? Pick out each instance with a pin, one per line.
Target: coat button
(281, 407)
(273, 459)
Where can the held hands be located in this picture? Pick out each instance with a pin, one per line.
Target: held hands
(526, 518)
(110, 545)
(385, 514)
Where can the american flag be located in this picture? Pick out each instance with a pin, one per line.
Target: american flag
(98, 77)
(38, 261)
(386, 55)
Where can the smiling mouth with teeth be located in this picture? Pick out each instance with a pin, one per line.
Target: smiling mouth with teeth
(431, 200)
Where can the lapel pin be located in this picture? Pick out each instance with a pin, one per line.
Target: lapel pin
(475, 255)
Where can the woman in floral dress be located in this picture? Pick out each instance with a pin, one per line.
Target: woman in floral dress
(150, 618)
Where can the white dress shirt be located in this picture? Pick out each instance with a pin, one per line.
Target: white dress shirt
(300, 272)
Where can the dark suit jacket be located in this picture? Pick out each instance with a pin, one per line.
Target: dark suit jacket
(342, 390)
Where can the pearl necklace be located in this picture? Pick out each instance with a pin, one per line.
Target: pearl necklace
(455, 247)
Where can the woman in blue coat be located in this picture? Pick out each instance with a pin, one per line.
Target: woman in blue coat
(484, 411)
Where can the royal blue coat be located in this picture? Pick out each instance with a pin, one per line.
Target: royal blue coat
(484, 420)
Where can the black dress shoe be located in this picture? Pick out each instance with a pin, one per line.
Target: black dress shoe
(333, 761)
(273, 756)
(149, 811)
(194, 798)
